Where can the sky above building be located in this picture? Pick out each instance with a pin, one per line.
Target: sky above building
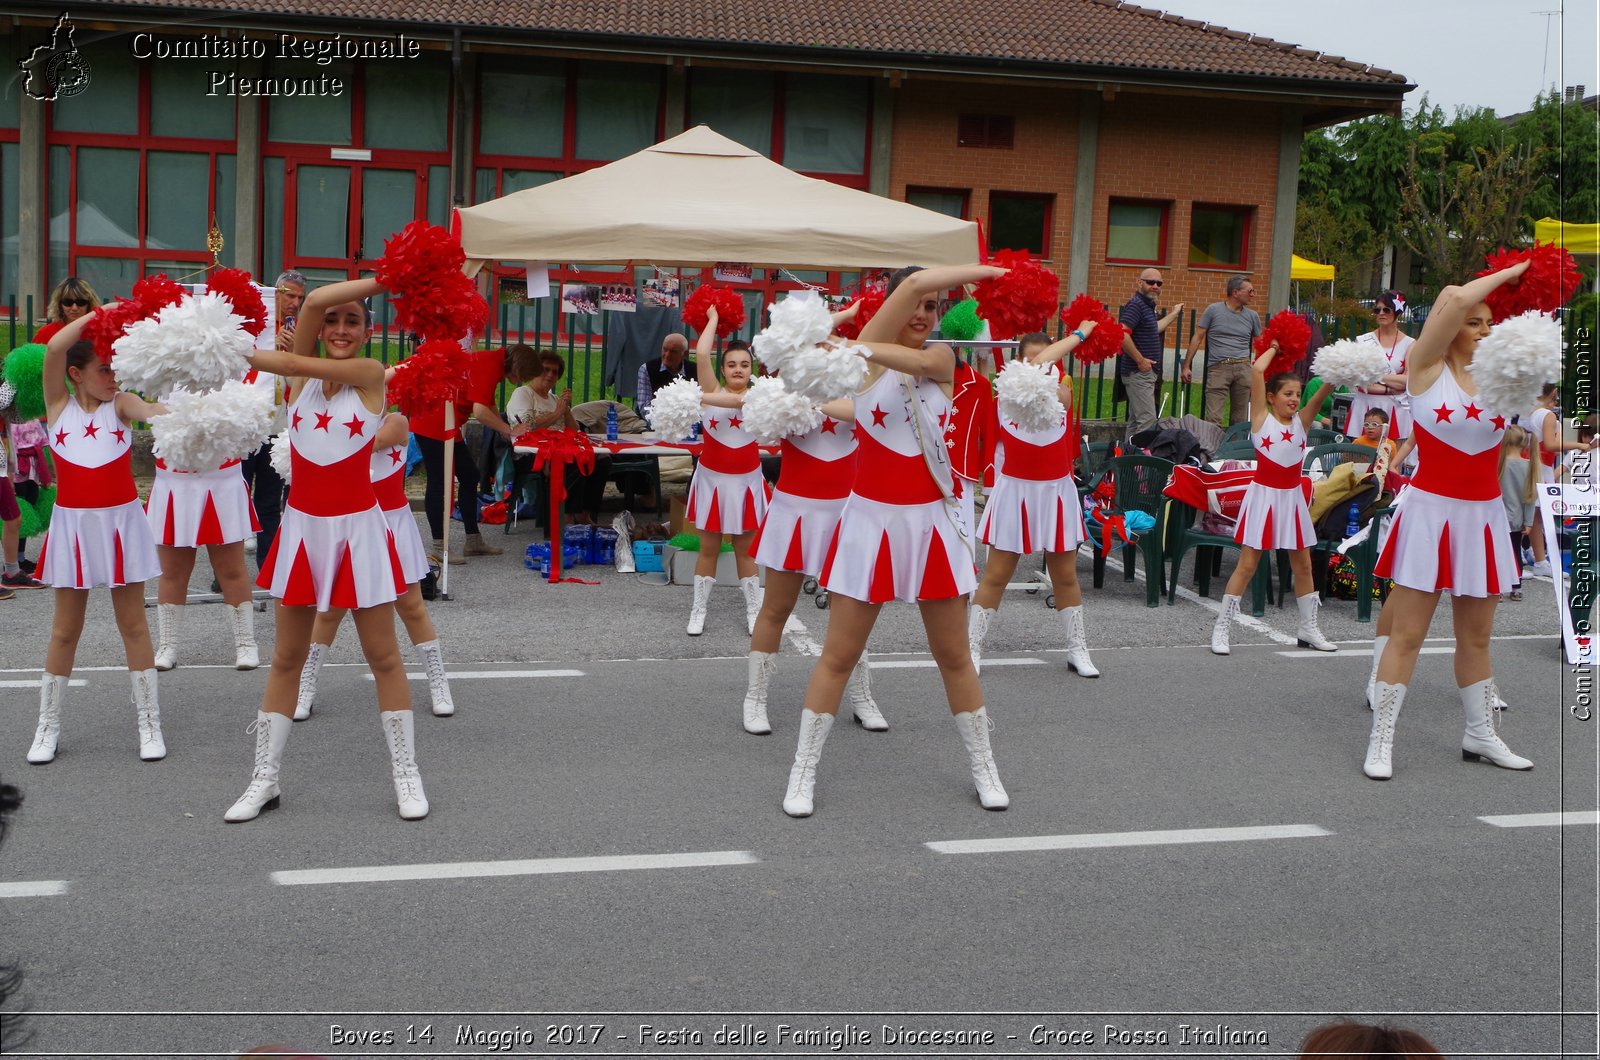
(1461, 53)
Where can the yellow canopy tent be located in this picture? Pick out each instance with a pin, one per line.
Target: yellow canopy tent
(1577, 238)
(1306, 269)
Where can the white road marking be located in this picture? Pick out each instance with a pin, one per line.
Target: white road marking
(530, 867)
(34, 684)
(796, 631)
(928, 664)
(33, 889)
(489, 675)
(1094, 840)
(1543, 820)
(1357, 653)
(1249, 622)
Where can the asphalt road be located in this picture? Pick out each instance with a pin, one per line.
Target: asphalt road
(1190, 844)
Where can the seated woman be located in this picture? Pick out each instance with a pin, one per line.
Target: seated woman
(535, 406)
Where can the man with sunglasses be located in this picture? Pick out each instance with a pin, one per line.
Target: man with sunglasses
(1226, 331)
(1139, 364)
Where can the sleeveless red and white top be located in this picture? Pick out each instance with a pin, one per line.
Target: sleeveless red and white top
(1280, 450)
(820, 464)
(331, 452)
(389, 477)
(728, 448)
(1038, 456)
(94, 457)
(890, 465)
(1458, 442)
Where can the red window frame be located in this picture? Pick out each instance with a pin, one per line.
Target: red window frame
(11, 136)
(1165, 207)
(1247, 217)
(965, 193)
(144, 142)
(1049, 201)
(361, 259)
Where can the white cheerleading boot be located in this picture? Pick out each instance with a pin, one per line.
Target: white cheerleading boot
(47, 737)
(146, 703)
(306, 698)
(797, 800)
(697, 609)
(1380, 744)
(1309, 635)
(978, 619)
(974, 728)
(272, 732)
(1224, 626)
(245, 655)
(438, 683)
(1480, 741)
(862, 705)
(1077, 643)
(167, 635)
(751, 587)
(400, 732)
(755, 694)
(1372, 678)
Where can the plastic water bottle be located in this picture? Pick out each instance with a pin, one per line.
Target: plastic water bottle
(611, 422)
(1352, 526)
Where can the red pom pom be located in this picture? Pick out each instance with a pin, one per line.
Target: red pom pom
(421, 270)
(1552, 278)
(433, 375)
(155, 293)
(1021, 300)
(1105, 341)
(870, 300)
(1292, 334)
(730, 309)
(236, 286)
(150, 295)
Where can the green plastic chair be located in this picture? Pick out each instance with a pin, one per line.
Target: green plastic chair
(1235, 432)
(1235, 449)
(1323, 436)
(1138, 481)
(1185, 537)
(1318, 456)
(1092, 460)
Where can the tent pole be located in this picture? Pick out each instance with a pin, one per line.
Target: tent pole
(449, 492)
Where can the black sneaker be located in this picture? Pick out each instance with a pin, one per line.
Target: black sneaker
(21, 580)
(6, 594)
(26, 564)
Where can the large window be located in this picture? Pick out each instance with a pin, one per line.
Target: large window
(1219, 236)
(1136, 232)
(1019, 221)
(814, 124)
(949, 201)
(739, 104)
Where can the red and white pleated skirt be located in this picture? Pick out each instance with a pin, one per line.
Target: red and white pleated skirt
(908, 552)
(720, 503)
(1033, 515)
(333, 561)
(1441, 544)
(407, 543)
(796, 533)
(210, 508)
(88, 547)
(1275, 518)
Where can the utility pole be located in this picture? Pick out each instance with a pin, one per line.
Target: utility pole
(1544, 68)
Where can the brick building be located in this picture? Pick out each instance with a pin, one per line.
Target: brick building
(1102, 135)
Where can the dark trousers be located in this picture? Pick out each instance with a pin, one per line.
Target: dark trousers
(466, 473)
(27, 490)
(266, 495)
(1516, 553)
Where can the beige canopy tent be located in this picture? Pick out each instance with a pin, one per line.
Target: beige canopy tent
(700, 198)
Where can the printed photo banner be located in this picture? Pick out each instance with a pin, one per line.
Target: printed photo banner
(1563, 501)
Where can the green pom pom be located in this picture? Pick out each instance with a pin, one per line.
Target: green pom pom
(688, 541)
(46, 504)
(36, 517)
(24, 370)
(962, 322)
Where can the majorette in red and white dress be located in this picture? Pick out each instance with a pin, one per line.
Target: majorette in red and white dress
(818, 470)
(897, 537)
(1449, 532)
(334, 547)
(1547, 457)
(389, 484)
(98, 532)
(188, 508)
(1034, 504)
(728, 494)
(1275, 513)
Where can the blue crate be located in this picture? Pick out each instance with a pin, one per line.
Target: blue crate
(647, 555)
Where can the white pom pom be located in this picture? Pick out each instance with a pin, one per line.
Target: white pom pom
(1027, 396)
(1350, 363)
(798, 323)
(197, 344)
(1515, 360)
(772, 412)
(675, 408)
(201, 432)
(822, 373)
(281, 463)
